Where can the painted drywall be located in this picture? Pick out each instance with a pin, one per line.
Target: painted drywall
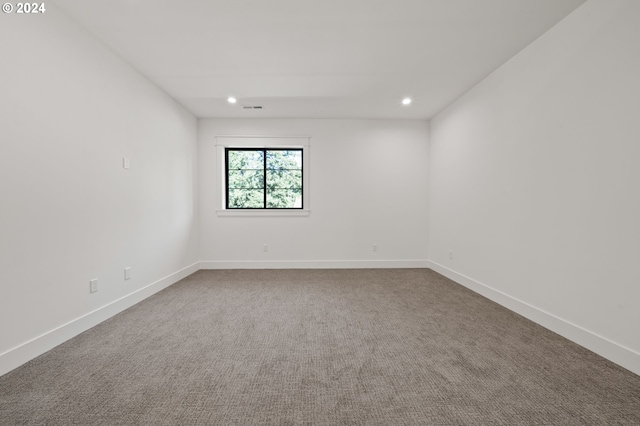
(367, 186)
(534, 181)
(70, 110)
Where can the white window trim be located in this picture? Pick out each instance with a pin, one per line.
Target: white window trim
(222, 142)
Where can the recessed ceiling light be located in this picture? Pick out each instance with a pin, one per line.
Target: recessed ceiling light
(232, 100)
(406, 101)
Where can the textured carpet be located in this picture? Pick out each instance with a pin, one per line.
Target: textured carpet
(374, 347)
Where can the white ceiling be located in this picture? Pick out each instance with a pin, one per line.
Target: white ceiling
(317, 58)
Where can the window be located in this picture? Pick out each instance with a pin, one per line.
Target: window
(256, 148)
(264, 178)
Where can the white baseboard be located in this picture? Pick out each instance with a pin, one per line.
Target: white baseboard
(604, 347)
(312, 264)
(25, 352)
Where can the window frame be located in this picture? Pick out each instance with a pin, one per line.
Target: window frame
(265, 190)
(275, 142)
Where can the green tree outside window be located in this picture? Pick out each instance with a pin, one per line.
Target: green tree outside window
(264, 178)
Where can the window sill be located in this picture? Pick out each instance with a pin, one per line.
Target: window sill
(261, 213)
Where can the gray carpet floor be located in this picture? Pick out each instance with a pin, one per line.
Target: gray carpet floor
(319, 347)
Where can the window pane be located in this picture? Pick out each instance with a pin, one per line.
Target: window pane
(281, 159)
(284, 198)
(247, 179)
(284, 179)
(242, 159)
(246, 198)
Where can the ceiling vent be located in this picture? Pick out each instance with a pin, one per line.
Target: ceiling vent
(252, 107)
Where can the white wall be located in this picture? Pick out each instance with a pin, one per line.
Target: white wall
(535, 177)
(367, 186)
(70, 110)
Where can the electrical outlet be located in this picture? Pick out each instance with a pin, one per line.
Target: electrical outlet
(265, 248)
(374, 247)
(450, 254)
(126, 163)
(93, 285)
(127, 273)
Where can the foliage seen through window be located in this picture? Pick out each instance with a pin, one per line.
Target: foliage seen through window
(263, 178)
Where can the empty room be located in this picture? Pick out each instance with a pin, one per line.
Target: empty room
(281, 212)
